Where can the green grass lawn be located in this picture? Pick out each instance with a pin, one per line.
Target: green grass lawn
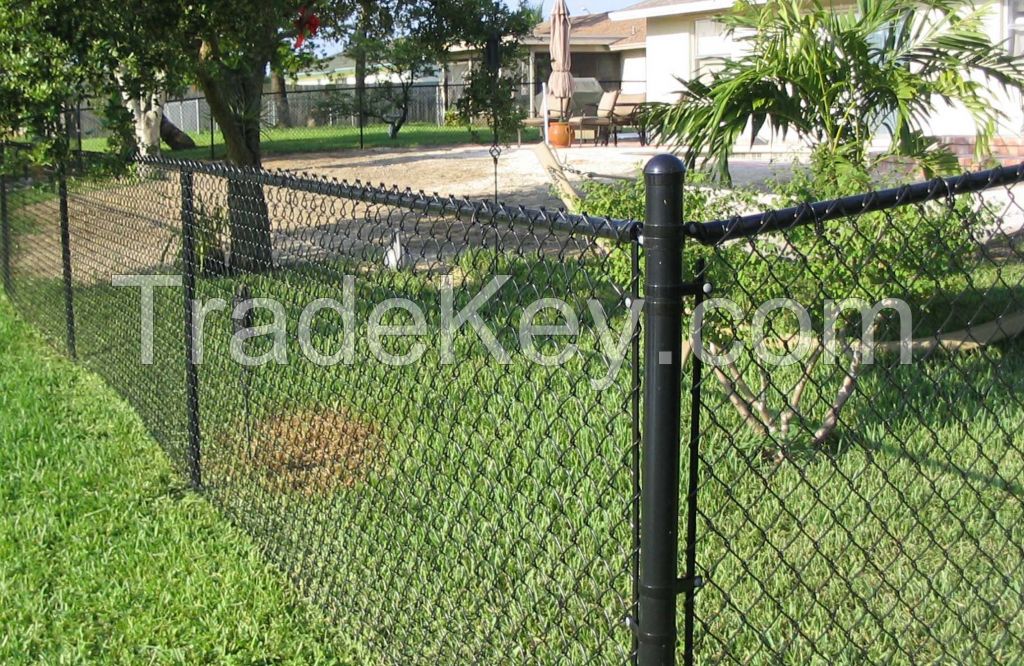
(104, 556)
(330, 138)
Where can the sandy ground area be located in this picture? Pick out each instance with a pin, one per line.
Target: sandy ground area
(469, 170)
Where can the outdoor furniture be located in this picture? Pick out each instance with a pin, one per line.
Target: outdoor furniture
(627, 113)
(558, 108)
(600, 123)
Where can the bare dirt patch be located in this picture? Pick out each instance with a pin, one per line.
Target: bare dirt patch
(312, 451)
(465, 171)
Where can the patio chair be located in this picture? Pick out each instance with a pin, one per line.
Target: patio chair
(627, 113)
(600, 123)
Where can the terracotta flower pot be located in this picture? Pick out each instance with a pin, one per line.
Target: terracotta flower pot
(559, 135)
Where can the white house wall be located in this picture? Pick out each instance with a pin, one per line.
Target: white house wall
(674, 47)
(955, 120)
(669, 56)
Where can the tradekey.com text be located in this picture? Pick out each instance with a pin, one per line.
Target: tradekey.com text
(535, 330)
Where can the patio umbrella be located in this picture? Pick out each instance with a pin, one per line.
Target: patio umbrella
(560, 82)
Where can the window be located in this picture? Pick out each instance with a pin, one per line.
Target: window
(713, 45)
(1016, 18)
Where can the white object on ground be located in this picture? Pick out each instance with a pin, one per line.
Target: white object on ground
(395, 257)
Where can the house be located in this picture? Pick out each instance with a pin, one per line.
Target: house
(684, 39)
(611, 53)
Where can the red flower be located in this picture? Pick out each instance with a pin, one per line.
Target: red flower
(306, 25)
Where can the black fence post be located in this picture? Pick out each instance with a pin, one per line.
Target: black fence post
(659, 484)
(191, 371)
(5, 223)
(634, 509)
(65, 249)
(361, 94)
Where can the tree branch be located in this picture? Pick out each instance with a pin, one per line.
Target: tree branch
(846, 390)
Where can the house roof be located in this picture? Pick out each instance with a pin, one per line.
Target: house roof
(637, 40)
(596, 29)
(654, 8)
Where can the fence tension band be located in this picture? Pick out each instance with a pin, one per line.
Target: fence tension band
(682, 586)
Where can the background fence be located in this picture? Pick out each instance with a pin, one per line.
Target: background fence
(832, 509)
(328, 118)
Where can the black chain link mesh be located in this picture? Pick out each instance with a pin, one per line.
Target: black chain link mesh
(855, 511)
(476, 511)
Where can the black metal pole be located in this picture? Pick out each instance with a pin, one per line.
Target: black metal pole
(360, 94)
(191, 371)
(242, 297)
(692, 582)
(65, 250)
(78, 136)
(659, 484)
(5, 223)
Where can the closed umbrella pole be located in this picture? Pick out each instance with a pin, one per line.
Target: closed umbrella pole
(560, 83)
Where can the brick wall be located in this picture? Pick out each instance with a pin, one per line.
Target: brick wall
(1006, 150)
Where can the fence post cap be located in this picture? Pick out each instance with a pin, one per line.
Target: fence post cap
(663, 165)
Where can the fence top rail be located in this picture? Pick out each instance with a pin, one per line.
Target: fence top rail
(557, 220)
(710, 233)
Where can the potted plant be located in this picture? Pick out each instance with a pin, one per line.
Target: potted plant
(559, 131)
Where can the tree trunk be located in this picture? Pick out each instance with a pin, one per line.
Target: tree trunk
(398, 122)
(279, 90)
(147, 114)
(249, 222)
(235, 98)
(174, 137)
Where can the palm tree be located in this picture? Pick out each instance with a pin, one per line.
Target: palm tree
(837, 78)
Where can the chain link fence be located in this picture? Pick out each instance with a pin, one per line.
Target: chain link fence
(822, 480)
(860, 483)
(472, 509)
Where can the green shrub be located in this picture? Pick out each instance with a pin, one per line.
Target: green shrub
(626, 201)
(909, 252)
(334, 107)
